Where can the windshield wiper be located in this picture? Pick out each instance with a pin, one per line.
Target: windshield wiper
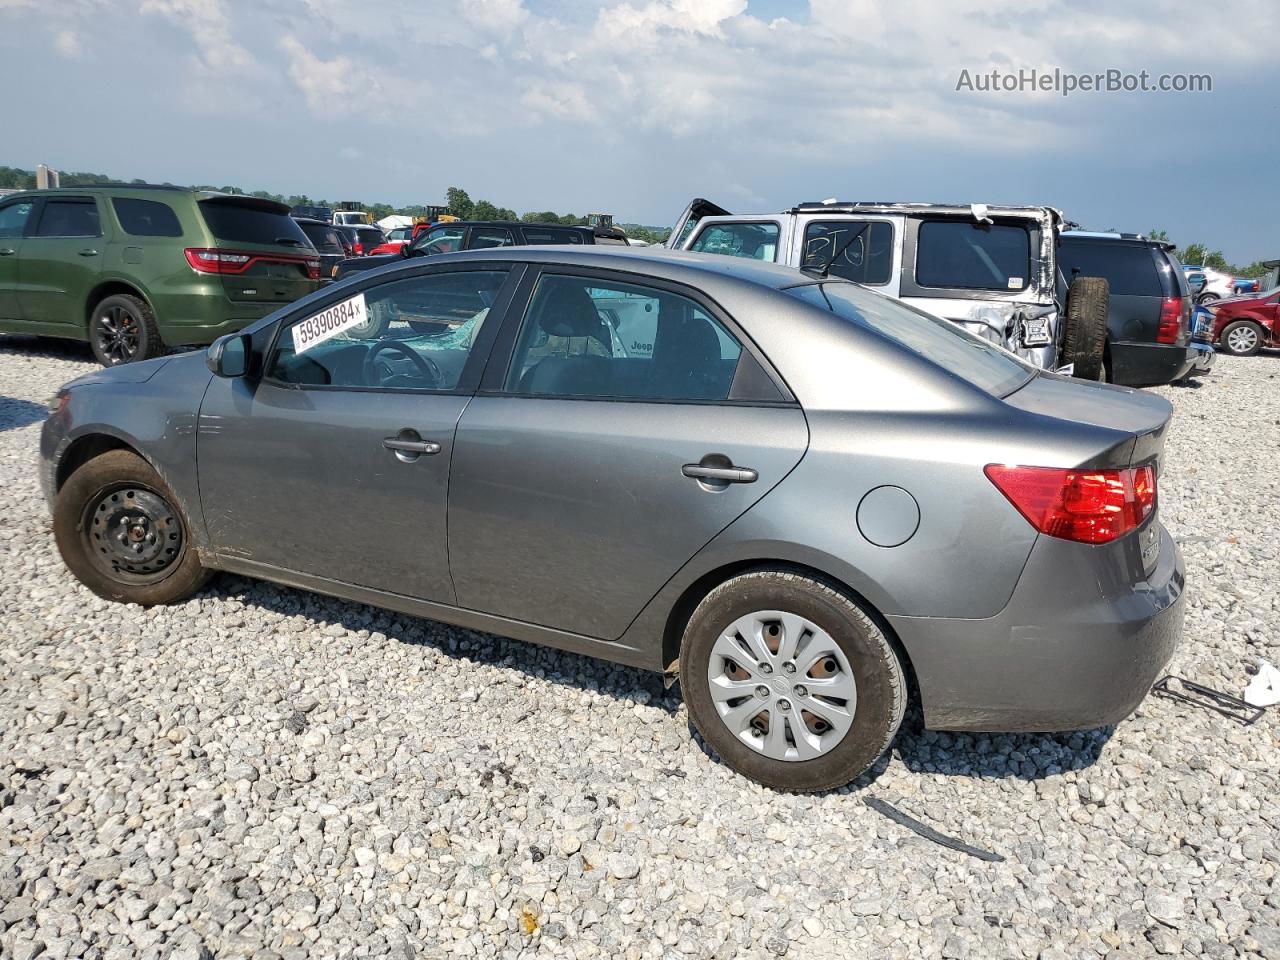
(288, 242)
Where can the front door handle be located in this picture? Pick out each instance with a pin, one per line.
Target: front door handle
(401, 445)
(88, 253)
(698, 471)
(7, 252)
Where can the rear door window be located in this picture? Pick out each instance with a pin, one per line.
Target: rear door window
(585, 337)
(146, 218)
(959, 255)
(863, 250)
(752, 241)
(482, 237)
(69, 218)
(236, 223)
(1128, 268)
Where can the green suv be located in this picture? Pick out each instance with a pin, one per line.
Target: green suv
(133, 269)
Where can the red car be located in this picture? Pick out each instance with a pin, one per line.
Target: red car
(1244, 325)
(398, 237)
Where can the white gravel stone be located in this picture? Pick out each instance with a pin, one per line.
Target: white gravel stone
(263, 772)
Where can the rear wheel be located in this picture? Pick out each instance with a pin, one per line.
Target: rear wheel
(1207, 298)
(120, 531)
(122, 329)
(1242, 338)
(790, 681)
(1085, 340)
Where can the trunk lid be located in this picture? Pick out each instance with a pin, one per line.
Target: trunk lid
(280, 265)
(1139, 420)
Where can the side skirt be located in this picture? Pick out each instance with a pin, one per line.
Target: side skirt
(443, 613)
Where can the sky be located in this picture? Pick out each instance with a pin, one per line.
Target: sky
(635, 107)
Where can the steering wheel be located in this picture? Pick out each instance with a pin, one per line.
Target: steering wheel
(425, 365)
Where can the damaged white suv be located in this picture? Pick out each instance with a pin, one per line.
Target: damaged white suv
(991, 269)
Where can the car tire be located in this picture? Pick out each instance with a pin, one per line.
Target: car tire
(121, 532)
(122, 329)
(1085, 339)
(817, 615)
(1241, 338)
(1207, 298)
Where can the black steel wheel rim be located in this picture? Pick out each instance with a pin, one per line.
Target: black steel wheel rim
(132, 534)
(119, 334)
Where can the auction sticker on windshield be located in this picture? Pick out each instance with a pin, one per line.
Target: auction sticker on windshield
(329, 323)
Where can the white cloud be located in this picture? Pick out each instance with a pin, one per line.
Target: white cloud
(210, 27)
(67, 43)
(324, 83)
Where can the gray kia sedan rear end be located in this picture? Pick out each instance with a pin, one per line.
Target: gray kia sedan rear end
(802, 498)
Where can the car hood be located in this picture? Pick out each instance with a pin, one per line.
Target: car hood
(139, 372)
(352, 264)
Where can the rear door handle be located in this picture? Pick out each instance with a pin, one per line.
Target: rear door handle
(7, 252)
(722, 474)
(411, 446)
(88, 253)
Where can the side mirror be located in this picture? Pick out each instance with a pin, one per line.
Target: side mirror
(404, 248)
(229, 356)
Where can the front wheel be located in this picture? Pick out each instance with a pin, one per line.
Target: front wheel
(1243, 338)
(123, 330)
(790, 681)
(121, 533)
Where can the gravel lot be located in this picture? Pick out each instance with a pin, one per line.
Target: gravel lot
(262, 772)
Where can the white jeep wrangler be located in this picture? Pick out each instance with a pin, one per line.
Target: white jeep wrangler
(991, 269)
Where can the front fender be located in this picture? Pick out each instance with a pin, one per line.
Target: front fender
(155, 418)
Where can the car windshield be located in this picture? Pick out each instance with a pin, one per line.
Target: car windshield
(322, 236)
(980, 362)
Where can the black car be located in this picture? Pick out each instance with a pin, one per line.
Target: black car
(1149, 338)
(328, 243)
(367, 238)
(474, 235)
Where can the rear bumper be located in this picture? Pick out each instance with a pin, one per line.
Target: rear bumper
(1203, 356)
(1149, 364)
(1077, 647)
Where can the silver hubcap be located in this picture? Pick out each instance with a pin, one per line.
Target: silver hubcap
(1242, 339)
(782, 686)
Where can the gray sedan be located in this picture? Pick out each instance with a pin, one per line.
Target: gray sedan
(807, 501)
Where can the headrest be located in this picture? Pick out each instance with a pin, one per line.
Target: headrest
(565, 310)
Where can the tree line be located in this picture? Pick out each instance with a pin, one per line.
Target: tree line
(457, 201)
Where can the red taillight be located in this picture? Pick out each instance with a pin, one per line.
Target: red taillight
(1170, 320)
(359, 250)
(209, 260)
(217, 261)
(1088, 506)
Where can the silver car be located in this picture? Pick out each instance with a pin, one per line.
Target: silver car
(805, 500)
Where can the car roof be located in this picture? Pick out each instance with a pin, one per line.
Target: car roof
(936, 209)
(659, 261)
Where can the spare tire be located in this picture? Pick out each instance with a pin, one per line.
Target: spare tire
(1085, 338)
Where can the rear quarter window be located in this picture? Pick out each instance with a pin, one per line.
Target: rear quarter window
(1128, 268)
(960, 255)
(245, 224)
(146, 218)
(541, 235)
